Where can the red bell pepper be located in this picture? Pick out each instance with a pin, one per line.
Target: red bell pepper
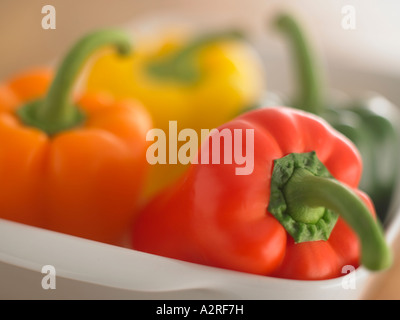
(298, 215)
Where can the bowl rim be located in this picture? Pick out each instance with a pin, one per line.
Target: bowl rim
(61, 250)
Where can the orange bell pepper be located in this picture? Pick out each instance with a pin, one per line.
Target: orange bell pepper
(72, 165)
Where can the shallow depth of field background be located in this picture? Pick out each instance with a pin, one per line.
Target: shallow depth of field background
(373, 47)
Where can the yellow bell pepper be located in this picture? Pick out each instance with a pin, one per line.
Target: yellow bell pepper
(200, 82)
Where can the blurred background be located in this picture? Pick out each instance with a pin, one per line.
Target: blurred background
(372, 46)
(372, 49)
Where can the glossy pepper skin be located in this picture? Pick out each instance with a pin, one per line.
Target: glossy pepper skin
(214, 217)
(371, 123)
(199, 81)
(76, 175)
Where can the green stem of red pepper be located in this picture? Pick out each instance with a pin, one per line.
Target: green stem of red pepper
(306, 200)
(310, 96)
(57, 112)
(308, 191)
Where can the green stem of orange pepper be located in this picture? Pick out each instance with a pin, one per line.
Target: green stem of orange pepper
(57, 112)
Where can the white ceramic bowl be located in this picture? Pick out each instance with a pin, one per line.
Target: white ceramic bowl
(91, 270)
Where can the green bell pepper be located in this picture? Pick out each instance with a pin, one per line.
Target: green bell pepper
(369, 123)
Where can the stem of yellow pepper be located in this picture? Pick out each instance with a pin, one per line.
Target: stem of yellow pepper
(57, 112)
(181, 66)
